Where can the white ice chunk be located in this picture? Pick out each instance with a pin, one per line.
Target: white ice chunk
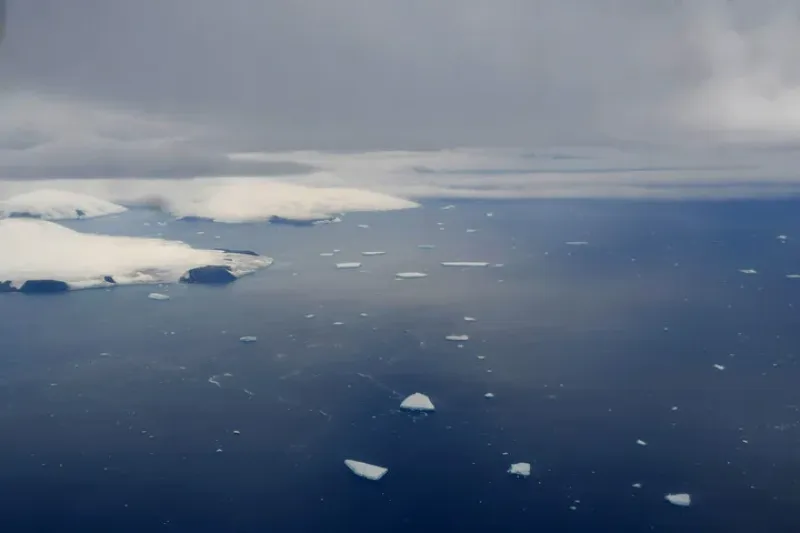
(681, 500)
(520, 469)
(577, 243)
(363, 226)
(51, 204)
(457, 338)
(748, 271)
(640, 442)
(464, 264)
(719, 367)
(346, 266)
(637, 485)
(793, 276)
(248, 338)
(469, 319)
(372, 254)
(445, 208)
(366, 470)
(338, 323)
(470, 230)
(417, 402)
(326, 254)
(410, 275)
(426, 246)
(37, 249)
(782, 237)
(489, 395)
(310, 315)
(158, 296)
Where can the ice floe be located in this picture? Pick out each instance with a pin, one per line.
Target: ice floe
(457, 338)
(489, 395)
(464, 264)
(748, 271)
(719, 367)
(469, 319)
(410, 275)
(793, 276)
(577, 243)
(640, 442)
(42, 256)
(417, 402)
(366, 470)
(51, 204)
(158, 296)
(680, 499)
(248, 338)
(520, 469)
(426, 246)
(372, 254)
(347, 266)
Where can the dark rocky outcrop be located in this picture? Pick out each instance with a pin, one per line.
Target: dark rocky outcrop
(211, 274)
(5, 286)
(109, 279)
(243, 252)
(43, 286)
(293, 222)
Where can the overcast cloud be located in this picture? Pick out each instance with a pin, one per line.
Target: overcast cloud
(166, 87)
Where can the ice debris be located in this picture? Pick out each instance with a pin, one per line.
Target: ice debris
(748, 271)
(348, 265)
(469, 319)
(520, 469)
(577, 243)
(372, 254)
(248, 338)
(426, 246)
(719, 367)
(457, 338)
(417, 402)
(488, 395)
(158, 296)
(366, 470)
(464, 264)
(681, 500)
(410, 275)
(640, 442)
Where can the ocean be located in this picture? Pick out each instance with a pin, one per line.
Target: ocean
(120, 413)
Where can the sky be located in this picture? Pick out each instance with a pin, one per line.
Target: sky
(157, 87)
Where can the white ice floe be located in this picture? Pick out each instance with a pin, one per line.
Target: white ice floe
(681, 499)
(372, 254)
(326, 254)
(637, 485)
(470, 230)
(640, 442)
(426, 246)
(41, 250)
(469, 319)
(447, 207)
(464, 264)
(782, 237)
(417, 402)
(347, 266)
(338, 323)
(158, 296)
(489, 395)
(310, 315)
(366, 470)
(248, 338)
(410, 275)
(719, 367)
(363, 226)
(520, 469)
(793, 276)
(51, 204)
(363, 315)
(577, 243)
(748, 271)
(457, 338)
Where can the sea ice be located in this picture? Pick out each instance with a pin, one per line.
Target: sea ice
(793, 276)
(410, 275)
(470, 230)
(469, 319)
(426, 246)
(372, 254)
(520, 469)
(719, 367)
(366, 470)
(488, 395)
(681, 500)
(637, 485)
(248, 338)
(457, 338)
(748, 271)
(326, 254)
(577, 243)
(347, 266)
(464, 264)
(158, 296)
(51, 204)
(640, 442)
(417, 402)
(363, 226)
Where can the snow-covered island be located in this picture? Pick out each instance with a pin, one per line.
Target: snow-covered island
(40, 256)
(52, 204)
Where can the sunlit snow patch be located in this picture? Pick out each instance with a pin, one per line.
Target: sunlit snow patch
(366, 470)
(457, 338)
(681, 500)
(51, 204)
(158, 296)
(347, 266)
(464, 264)
(410, 275)
(417, 402)
(41, 256)
(520, 469)
(372, 254)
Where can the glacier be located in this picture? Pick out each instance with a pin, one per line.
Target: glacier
(52, 204)
(43, 256)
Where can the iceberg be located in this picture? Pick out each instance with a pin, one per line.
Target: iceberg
(469, 319)
(51, 204)
(488, 395)
(520, 469)
(417, 402)
(464, 264)
(410, 275)
(719, 367)
(372, 254)
(158, 296)
(43, 256)
(640, 442)
(748, 271)
(248, 338)
(681, 499)
(457, 338)
(793, 276)
(347, 266)
(366, 470)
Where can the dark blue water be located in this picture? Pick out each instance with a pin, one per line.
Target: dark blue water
(108, 421)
